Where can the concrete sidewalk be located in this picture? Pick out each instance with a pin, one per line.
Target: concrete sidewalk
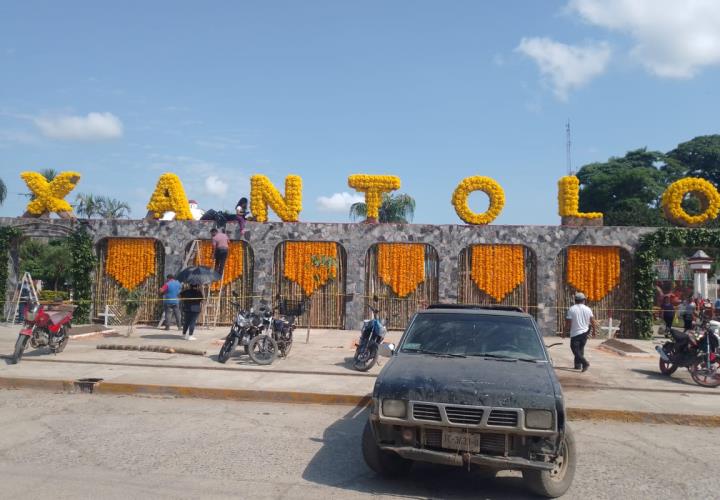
(615, 387)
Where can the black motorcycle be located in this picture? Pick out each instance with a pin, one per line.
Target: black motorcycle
(283, 327)
(695, 350)
(371, 336)
(246, 327)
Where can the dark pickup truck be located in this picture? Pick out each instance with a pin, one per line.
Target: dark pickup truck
(471, 386)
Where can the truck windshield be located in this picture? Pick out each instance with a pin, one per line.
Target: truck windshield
(488, 335)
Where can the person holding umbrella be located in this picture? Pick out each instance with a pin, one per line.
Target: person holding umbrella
(191, 299)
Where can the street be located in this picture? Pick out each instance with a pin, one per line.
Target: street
(91, 446)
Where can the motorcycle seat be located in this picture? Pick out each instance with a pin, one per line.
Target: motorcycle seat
(677, 335)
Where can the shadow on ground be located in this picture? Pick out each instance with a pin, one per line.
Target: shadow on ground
(656, 375)
(339, 464)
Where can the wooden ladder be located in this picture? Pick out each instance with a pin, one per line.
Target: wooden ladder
(26, 281)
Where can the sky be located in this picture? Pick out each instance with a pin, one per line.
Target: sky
(430, 91)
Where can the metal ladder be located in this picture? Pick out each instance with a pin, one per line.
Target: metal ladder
(17, 297)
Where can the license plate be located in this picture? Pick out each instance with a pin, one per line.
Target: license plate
(461, 441)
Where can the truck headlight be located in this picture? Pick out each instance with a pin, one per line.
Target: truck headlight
(395, 408)
(538, 419)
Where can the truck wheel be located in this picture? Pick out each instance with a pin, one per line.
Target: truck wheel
(554, 483)
(386, 464)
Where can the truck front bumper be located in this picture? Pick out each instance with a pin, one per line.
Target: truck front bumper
(449, 458)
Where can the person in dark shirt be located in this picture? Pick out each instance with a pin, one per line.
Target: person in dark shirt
(668, 312)
(191, 299)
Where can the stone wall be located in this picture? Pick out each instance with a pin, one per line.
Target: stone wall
(546, 241)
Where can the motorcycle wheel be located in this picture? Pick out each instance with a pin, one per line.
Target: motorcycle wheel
(60, 347)
(20, 345)
(365, 360)
(667, 368)
(286, 345)
(227, 348)
(704, 373)
(263, 349)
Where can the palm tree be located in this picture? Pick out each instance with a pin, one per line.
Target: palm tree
(111, 208)
(3, 192)
(398, 208)
(87, 205)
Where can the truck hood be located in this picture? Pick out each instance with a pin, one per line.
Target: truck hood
(468, 381)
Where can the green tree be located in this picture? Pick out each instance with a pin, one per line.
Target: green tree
(698, 157)
(3, 192)
(111, 208)
(86, 205)
(49, 262)
(625, 189)
(398, 208)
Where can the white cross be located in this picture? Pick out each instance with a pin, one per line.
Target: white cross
(106, 314)
(610, 328)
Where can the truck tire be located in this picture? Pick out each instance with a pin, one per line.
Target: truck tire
(386, 464)
(555, 483)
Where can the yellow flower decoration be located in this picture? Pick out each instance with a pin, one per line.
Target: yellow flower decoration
(233, 265)
(401, 266)
(569, 199)
(700, 188)
(50, 196)
(478, 183)
(594, 271)
(497, 269)
(303, 266)
(169, 196)
(130, 261)
(264, 194)
(373, 186)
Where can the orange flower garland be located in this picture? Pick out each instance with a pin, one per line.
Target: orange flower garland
(594, 271)
(304, 266)
(233, 264)
(130, 260)
(497, 269)
(401, 266)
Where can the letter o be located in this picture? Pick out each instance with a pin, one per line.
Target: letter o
(702, 189)
(478, 183)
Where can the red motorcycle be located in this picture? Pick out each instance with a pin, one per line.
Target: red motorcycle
(45, 326)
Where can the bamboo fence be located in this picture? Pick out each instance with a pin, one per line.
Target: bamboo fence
(397, 311)
(616, 304)
(524, 295)
(326, 306)
(107, 290)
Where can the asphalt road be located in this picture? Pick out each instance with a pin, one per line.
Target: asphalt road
(59, 446)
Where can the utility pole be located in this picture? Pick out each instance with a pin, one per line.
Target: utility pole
(568, 149)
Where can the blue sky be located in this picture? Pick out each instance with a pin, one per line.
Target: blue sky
(431, 91)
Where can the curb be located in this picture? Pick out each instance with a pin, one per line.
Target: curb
(123, 389)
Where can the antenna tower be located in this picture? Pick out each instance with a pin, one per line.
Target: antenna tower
(568, 149)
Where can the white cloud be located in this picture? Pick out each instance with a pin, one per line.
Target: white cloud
(216, 186)
(94, 126)
(338, 202)
(672, 38)
(566, 67)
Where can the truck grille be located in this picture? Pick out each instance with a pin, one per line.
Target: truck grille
(426, 412)
(460, 415)
(504, 418)
(433, 438)
(492, 444)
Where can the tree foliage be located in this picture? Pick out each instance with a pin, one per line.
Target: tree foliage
(49, 262)
(88, 205)
(398, 208)
(627, 189)
(3, 192)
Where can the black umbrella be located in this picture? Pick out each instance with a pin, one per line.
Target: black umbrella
(197, 275)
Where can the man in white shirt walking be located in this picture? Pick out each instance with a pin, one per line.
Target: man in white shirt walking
(580, 322)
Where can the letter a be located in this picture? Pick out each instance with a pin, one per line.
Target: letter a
(169, 196)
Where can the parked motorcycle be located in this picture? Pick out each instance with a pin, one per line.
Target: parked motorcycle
(45, 326)
(371, 336)
(283, 327)
(247, 326)
(262, 348)
(695, 350)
